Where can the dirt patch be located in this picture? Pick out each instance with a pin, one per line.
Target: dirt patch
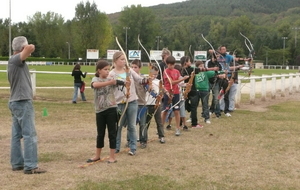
(262, 106)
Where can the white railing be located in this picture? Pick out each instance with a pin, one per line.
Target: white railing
(273, 84)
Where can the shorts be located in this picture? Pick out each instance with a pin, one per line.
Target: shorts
(175, 100)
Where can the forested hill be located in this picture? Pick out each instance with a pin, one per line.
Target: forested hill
(266, 22)
(224, 7)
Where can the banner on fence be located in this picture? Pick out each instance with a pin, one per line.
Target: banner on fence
(110, 53)
(134, 54)
(200, 55)
(155, 55)
(92, 54)
(177, 55)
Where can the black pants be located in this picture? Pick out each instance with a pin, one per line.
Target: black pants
(107, 118)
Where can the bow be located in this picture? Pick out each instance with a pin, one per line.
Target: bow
(159, 95)
(190, 82)
(231, 81)
(249, 46)
(127, 84)
(150, 66)
(214, 52)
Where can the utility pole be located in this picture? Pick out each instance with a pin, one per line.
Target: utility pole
(68, 50)
(284, 38)
(9, 32)
(296, 28)
(157, 42)
(126, 28)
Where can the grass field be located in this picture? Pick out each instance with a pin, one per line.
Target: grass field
(67, 80)
(250, 150)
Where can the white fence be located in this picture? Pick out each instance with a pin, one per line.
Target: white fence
(276, 85)
(273, 84)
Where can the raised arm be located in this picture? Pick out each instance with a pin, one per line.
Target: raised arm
(26, 52)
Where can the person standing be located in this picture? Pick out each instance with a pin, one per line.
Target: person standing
(77, 74)
(128, 107)
(22, 110)
(172, 78)
(106, 110)
(141, 90)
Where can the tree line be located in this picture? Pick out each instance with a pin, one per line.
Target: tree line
(271, 26)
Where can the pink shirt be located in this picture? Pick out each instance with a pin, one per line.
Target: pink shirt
(173, 74)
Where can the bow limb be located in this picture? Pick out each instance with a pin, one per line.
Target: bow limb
(127, 84)
(214, 51)
(190, 82)
(250, 48)
(150, 66)
(231, 81)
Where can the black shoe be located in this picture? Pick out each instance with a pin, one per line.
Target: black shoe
(18, 168)
(185, 128)
(74, 102)
(169, 127)
(162, 140)
(143, 145)
(90, 160)
(35, 171)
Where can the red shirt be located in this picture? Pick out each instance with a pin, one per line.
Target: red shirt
(173, 74)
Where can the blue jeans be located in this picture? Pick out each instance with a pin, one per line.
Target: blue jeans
(23, 126)
(142, 115)
(204, 96)
(128, 120)
(231, 97)
(76, 88)
(215, 104)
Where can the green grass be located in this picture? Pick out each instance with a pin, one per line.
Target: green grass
(250, 150)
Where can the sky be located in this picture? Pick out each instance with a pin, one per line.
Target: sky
(22, 9)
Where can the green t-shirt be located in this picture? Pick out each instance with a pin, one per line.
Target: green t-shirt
(201, 80)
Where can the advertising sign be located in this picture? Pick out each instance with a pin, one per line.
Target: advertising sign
(200, 55)
(110, 53)
(92, 54)
(134, 54)
(177, 54)
(155, 55)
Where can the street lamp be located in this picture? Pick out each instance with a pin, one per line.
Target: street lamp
(126, 28)
(68, 50)
(296, 28)
(157, 42)
(284, 38)
(9, 30)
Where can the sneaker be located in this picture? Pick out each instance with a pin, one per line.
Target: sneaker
(162, 140)
(197, 126)
(117, 151)
(177, 132)
(74, 102)
(185, 128)
(35, 171)
(143, 145)
(131, 152)
(169, 127)
(207, 121)
(189, 120)
(210, 113)
(228, 114)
